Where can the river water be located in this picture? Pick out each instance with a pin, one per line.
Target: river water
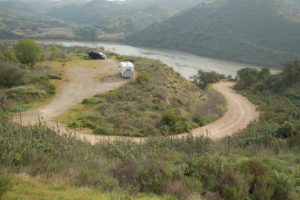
(185, 63)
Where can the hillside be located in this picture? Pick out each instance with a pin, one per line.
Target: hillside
(36, 162)
(18, 19)
(118, 17)
(258, 32)
(99, 19)
(158, 102)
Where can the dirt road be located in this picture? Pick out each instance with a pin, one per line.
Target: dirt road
(82, 84)
(240, 112)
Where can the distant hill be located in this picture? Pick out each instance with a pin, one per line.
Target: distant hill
(92, 12)
(16, 5)
(175, 5)
(83, 19)
(121, 16)
(110, 17)
(19, 19)
(263, 32)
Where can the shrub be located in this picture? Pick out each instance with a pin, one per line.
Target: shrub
(284, 187)
(199, 120)
(295, 141)
(10, 74)
(53, 48)
(56, 55)
(247, 77)
(28, 51)
(286, 130)
(102, 131)
(233, 186)
(177, 188)
(10, 55)
(259, 178)
(172, 123)
(54, 77)
(142, 78)
(152, 177)
(97, 179)
(203, 79)
(93, 100)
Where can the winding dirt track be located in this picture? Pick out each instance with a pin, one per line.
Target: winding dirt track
(82, 84)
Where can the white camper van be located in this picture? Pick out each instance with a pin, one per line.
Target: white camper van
(127, 69)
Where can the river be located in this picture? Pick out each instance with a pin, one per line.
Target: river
(185, 63)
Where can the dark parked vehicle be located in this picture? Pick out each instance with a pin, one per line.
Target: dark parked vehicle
(97, 55)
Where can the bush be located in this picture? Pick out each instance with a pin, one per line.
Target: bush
(259, 177)
(10, 55)
(177, 188)
(284, 187)
(142, 78)
(203, 79)
(199, 120)
(5, 184)
(54, 77)
(10, 74)
(93, 100)
(102, 131)
(286, 130)
(55, 55)
(172, 123)
(28, 51)
(152, 176)
(97, 179)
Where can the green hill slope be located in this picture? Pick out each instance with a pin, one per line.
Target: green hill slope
(252, 31)
(120, 16)
(262, 162)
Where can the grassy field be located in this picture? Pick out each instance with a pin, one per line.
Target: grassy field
(29, 188)
(159, 101)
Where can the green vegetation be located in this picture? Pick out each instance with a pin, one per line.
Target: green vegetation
(19, 19)
(22, 85)
(5, 184)
(184, 168)
(10, 74)
(99, 19)
(28, 51)
(252, 31)
(119, 17)
(278, 96)
(86, 32)
(27, 188)
(157, 102)
(260, 163)
(203, 79)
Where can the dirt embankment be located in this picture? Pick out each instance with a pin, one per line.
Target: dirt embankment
(82, 84)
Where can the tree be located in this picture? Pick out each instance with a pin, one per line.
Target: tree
(291, 73)
(247, 77)
(28, 51)
(203, 79)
